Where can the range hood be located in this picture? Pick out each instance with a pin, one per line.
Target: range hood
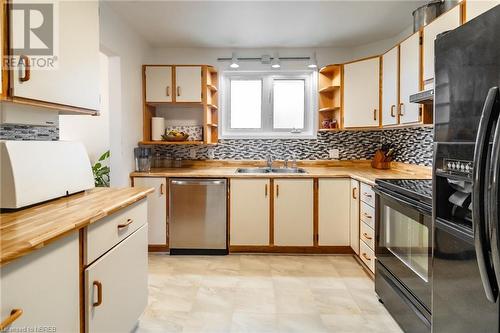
(423, 97)
(36, 171)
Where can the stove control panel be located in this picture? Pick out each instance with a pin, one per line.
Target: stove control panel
(458, 167)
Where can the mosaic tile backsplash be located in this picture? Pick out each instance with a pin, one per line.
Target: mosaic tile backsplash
(28, 132)
(413, 145)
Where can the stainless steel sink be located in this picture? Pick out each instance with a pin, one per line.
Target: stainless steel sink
(253, 170)
(267, 170)
(288, 170)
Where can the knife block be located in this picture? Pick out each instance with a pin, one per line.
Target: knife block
(379, 162)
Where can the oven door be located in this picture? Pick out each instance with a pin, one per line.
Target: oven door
(404, 243)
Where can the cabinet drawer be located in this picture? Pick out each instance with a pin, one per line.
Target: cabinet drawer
(118, 278)
(367, 235)
(367, 255)
(367, 194)
(368, 215)
(104, 234)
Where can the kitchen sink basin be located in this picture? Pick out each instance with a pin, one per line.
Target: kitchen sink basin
(267, 170)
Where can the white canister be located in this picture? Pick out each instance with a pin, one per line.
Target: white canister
(157, 128)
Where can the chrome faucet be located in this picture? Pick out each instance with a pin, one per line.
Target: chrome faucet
(269, 161)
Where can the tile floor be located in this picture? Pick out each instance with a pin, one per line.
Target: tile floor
(261, 293)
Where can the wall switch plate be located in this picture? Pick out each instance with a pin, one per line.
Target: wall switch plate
(334, 154)
(192, 153)
(211, 154)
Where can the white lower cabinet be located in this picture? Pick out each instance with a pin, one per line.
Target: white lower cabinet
(333, 211)
(249, 212)
(44, 285)
(293, 212)
(367, 255)
(116, 286)
(157, 212)
(354, 216)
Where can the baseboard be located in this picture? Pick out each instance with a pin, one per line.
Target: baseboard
(291, 249)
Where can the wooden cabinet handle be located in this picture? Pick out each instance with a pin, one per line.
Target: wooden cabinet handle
(401, 108)
(354, 196)
(367, 216)
(126, 224)
(99, 293)
(27, 69)
(265, 190)
(277, 190)
(366, 256)
(162, 191)
(366, 236)
(14, 314)
(374, 114)
(392, 111)
(178, 90)
(168, 91)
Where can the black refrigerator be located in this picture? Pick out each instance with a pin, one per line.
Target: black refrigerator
(466, 265)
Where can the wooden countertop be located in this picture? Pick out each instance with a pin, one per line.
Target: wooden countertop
(23, 231)
(359, 170)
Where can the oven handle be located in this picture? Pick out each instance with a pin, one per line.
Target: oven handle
(494, 200)
(405, 201)
(480, 219)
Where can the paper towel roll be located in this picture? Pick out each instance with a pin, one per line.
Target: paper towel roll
(157, 128)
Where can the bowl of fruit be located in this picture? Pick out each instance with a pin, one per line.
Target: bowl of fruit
(175, 136)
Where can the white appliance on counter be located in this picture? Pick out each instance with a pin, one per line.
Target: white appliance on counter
(35, 171)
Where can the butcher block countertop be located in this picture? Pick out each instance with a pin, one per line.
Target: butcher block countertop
(359, 170)
(25, 230)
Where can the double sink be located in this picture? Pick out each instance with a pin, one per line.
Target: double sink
(270, 170)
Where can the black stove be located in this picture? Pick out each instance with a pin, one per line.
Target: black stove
(416, 189)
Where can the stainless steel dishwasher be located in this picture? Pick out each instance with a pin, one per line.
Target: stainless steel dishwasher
(197, 216)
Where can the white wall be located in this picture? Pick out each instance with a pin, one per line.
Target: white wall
(127, 51)
(381, 46)
(92, 131)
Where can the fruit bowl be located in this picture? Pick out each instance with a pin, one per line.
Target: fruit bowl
(168, 137)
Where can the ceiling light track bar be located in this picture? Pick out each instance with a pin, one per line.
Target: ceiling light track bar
(260, 58)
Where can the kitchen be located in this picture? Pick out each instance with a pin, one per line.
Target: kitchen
(163, 173)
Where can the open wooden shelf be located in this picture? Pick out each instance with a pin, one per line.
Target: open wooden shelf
(171, 142)
(213, 107)
(330, 109)
(329, 129)
(328, 89)
(213, 125)
(212, 87)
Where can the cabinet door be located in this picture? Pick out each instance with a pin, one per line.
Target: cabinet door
(188, 84)
(158, 83)
(249, 212)
(474, 8)
(354, 216)
(157, 209)
(361, 93)
(45, 286)
(409, 79)
(120, 277)
(74, 80)
(390, 87)
(293, 212)
(448, 21)
(333, 211)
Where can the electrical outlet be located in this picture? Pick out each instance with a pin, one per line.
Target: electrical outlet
(334, 154)
(192, 153)
(211, 154)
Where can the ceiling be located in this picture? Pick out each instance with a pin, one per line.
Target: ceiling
(262, 24)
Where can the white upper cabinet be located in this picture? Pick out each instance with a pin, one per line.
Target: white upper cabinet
(409, 80)
(448, 21)
(74, 79)
(188, 84)
(333, 212)
(390, 87)
(159, 85)
(293, 212)
(361, 93)
(474, 8)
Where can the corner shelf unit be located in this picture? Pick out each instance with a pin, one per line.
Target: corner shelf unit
(208, 106)
(330, 93)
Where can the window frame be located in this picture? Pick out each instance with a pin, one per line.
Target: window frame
(267, 131)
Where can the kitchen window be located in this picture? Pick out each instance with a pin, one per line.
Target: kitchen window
(268, 105)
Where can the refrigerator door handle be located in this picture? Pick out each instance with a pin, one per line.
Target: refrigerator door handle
(494, 200)
(478, 202)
